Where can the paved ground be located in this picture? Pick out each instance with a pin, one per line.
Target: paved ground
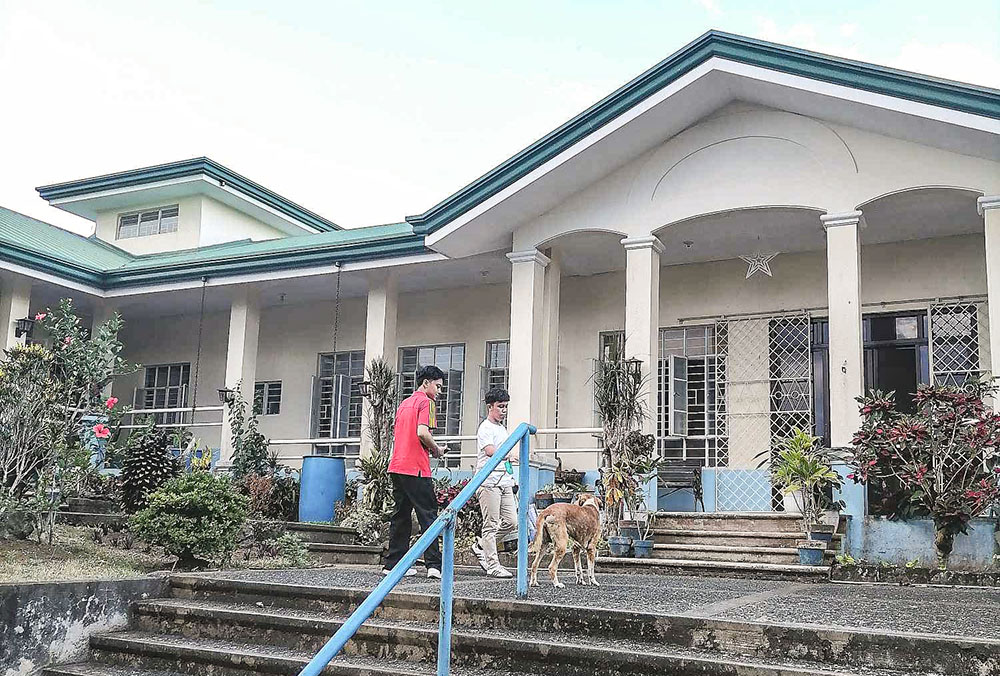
(933, 610)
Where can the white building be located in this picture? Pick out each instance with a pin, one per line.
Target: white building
(878, 189)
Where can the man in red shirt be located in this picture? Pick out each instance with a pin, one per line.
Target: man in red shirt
(410, 471)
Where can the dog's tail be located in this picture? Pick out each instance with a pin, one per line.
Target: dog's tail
(540, 530)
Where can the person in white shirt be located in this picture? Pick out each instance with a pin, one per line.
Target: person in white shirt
(496, 495)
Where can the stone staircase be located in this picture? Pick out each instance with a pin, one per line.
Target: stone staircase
(335, 544)
(224, 627)
(762, 544)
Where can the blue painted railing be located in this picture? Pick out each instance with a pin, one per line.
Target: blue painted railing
(444, 524)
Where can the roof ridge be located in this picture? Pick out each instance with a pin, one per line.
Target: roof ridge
(860, 75)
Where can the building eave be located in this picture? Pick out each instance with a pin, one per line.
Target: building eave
(214, 267)
(182, 169)
(981, 101)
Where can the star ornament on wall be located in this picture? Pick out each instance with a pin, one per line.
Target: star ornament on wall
(759, 262)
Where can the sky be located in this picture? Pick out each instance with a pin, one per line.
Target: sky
(369, 112)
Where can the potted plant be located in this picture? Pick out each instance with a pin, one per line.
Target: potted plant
(799, 468)
(543, 497)
(562, 493)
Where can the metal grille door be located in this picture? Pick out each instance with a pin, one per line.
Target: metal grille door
(764, 392)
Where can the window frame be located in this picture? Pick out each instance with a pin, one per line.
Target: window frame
(138, 225)
(149, 398)
(266, 387)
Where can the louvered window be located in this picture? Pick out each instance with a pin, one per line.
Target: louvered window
(145, 223)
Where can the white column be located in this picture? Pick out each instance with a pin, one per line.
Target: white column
(550, 345)
(15, 297)
(843, 288)
(527, 290)
(642, 314)
(380, 331)
(989, 208)
(241, 359)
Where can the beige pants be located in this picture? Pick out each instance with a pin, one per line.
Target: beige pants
(499, 518)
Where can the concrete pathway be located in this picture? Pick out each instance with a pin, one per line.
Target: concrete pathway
(885, 608)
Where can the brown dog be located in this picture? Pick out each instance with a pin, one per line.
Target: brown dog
(562, 522)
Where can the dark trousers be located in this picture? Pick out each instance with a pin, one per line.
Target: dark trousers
(412, 494)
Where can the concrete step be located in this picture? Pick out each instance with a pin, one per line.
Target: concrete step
(97, 669)
(756, 570)
(317, 609)
(770, 522)
(91, 519)
(684, 536)
(229, 658)
(322, 533)
(288, 636)
(333, 553)
(779, 555)
(92, 506)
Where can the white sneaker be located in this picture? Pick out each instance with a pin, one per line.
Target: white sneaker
(433, 574)
(410, 573)
(477, 549)
(499, 572)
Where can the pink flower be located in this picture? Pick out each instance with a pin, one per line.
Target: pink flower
(102, 431)
(110, 403)
(40, 316)
(850, 476)
(67, 340)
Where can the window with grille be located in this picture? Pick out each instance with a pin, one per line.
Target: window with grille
(448, 407)
(495, 372)
(956, 329)
(337, 399)
(688, 364)
(164, 386)
(150, 222)
(267, 398)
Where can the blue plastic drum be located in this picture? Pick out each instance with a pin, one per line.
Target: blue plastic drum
(322, 485)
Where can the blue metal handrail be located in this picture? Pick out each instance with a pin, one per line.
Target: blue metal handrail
(445, 523)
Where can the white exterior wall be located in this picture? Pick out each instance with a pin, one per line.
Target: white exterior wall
(202, 221)
(221, 223)
(755, 157)
(189, 211)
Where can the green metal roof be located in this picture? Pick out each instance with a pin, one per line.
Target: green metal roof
(192, 167)
(855, 74)
(47, 248)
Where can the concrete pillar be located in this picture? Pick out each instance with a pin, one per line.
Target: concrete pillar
(15, 297)
(989, 209)
(550, 346)
(642, 315)
(843, 265)
(527, 360)
(241, 360)
(380, 332)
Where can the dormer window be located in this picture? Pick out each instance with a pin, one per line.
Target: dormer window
(150, 222)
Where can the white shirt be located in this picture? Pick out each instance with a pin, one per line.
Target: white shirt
(493, 434)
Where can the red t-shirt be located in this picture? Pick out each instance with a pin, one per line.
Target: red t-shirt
(408, 455)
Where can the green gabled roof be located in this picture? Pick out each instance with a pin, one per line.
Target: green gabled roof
(41, 245)
(855, 74)
(246, 256)
(181, 169)
(47, 248)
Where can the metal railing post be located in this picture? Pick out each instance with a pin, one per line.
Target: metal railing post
(447, 589)
(523, 497)
(444, 524)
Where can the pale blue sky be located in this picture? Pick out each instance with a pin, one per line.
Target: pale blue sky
(368, 112)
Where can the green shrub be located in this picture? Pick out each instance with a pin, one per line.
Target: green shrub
(147, 466)
(197, 517)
